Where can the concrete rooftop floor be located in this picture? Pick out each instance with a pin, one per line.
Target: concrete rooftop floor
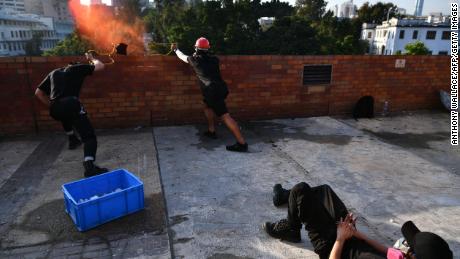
(205, 202)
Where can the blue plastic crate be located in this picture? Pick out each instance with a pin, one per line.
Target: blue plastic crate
(118, 193)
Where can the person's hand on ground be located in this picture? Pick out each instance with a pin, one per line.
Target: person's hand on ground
(173, 47)
(345, 229)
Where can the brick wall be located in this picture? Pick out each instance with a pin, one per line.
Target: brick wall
(161, 90)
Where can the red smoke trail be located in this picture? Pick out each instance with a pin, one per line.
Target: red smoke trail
(101, 26)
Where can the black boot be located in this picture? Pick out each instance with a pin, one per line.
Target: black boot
(237, 147)
(282, 230)
(91, 169)
(210, 134)
(74, 142)
(280, 195)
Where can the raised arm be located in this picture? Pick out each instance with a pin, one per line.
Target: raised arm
(179, 53)
(98, 65)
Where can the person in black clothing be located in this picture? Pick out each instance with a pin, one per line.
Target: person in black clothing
(332, 229)
(214, 90)
(60, 91)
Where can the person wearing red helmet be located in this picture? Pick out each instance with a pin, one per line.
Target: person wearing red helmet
(214, 90)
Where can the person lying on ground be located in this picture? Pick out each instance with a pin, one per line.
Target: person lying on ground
(60, 92)
(214, 91)
(332, 229)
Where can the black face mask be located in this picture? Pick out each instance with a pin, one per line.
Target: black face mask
(199, 52)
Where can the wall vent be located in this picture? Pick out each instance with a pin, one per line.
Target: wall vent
(317, 74)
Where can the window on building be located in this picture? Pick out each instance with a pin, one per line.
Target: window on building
(415, 35)
(17, 34)
(369, 35)
(401, 34)
(445, 35)
(443, 53)
(385, 33)
(12, 34)
(431, 35)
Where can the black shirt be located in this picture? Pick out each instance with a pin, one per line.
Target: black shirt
(207, 69)
(65, 81)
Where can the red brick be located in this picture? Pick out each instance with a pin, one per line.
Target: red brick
(260, 87)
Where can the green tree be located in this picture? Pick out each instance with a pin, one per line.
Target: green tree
(311, 9)
(32, 47)
(276, 8)
(72, 45)
(416, 48)
(291, 35)
(232, 27)
(376, 13)
(339, 36)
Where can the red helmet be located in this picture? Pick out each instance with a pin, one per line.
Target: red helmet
(202, 43)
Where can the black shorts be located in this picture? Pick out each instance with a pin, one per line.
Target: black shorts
(217, 105)
(214, 98)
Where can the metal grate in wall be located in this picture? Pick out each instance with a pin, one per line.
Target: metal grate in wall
(317, 74)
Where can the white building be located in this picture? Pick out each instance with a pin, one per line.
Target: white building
(58, 9)
(392, 36)
(16, 5)
(266, 22)
(16, 29)
(402, 11)
(345, 10)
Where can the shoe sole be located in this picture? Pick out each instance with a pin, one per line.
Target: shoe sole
(240, 151)
(264, 226)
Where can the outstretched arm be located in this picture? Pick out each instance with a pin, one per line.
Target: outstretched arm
(376, 245)
(179, 53)
(98, 65)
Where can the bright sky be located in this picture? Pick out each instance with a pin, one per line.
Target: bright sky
(429, 6)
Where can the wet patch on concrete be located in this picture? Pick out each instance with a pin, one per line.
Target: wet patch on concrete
(51, 218)
(410, 140)
(266, 132)
(183, 240)
(227, 256)
(22, 185)
(272, 132)
(174, 220)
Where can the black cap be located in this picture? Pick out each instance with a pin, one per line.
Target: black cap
(426, 245)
